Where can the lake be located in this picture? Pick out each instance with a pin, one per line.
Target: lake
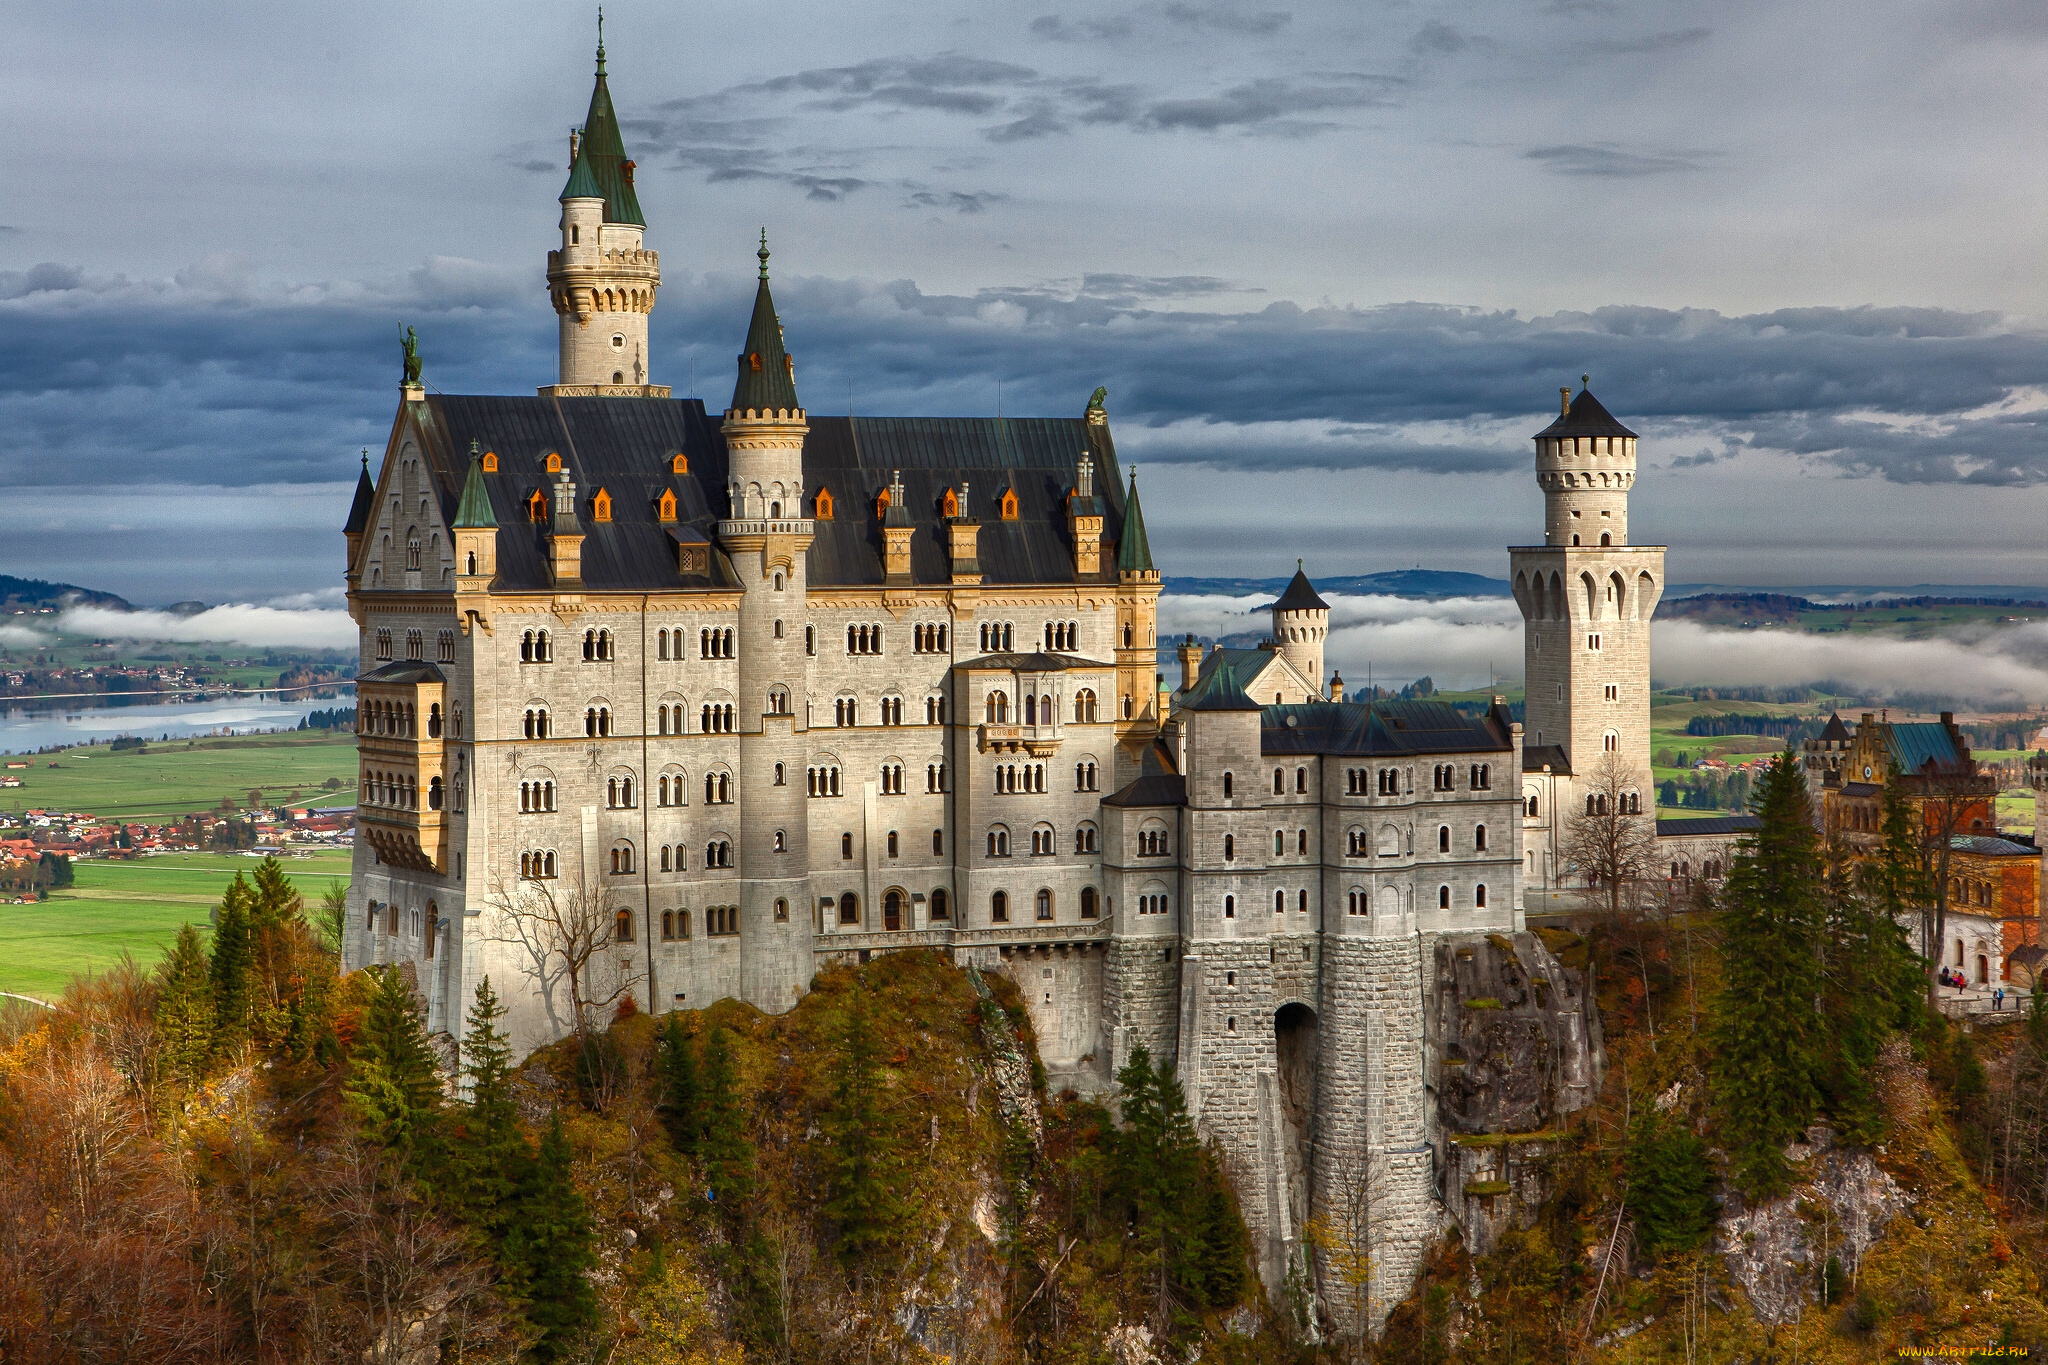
(28, 724)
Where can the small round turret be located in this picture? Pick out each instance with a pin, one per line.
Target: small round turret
(1301, 622)
(1585, 464)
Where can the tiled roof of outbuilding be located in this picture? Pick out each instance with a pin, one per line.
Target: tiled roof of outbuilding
(626, 446)
(1987, 847)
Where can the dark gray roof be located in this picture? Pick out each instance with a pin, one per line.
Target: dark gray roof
(1156, 784)
(1726, 824)
(1033, 663)
(1389, 728)
(404, 671)
(1534, 756)
(1134, 551)
(625, 445)
(366, 498)
(1585, 417)
(1836, 732)
(1300, 595)
(1862, 788)
(767, 376)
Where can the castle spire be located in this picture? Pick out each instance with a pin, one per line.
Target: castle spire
(602, 170)
(474, 512)
(1133, 551)
(767, 377)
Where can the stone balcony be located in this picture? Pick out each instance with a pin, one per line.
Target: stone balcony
(763, 526)
(1040, 741)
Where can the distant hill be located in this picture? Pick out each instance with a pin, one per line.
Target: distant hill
(32, 594)
(1393, 583)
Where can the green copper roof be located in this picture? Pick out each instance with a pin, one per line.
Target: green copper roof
(366, 498)
(767, 375)
(601, 168)
(1133, 551)
(1219, 690)
(475, 511)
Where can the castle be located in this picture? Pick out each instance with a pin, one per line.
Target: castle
(679, 705)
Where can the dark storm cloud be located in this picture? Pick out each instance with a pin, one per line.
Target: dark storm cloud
(1607, 159)
(113, 383)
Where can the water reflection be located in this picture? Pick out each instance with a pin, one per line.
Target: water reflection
(28, 724)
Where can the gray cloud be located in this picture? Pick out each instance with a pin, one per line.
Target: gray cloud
(1092, 30)
(1607, 159)
(1227, 19)
(1277, 103)
(1438, 39)
(1651, 42)
(1210, 18)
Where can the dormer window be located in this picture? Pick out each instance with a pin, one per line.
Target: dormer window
(537, 506)
(951, 503)
(754, 362)
(1009, 504)
(553, 463)
(665, 508)
(824, 505)
(601, 506)
(490, 462)
(881, 504)
(679, 463)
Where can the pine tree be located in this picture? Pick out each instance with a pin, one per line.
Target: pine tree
(1217, 1246)
(1873, 979)
(1159, 1162)
(277, 901)
(233, 965)
(1769, 1035)
(393, 1087)
(681, 1106)
(184, 1009)
(549, 1250)
(722, 1144)
(862, 1200)
(489, 1157)
(1670, 1185)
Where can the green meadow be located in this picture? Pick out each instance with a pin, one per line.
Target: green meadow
(133, 907)
(180, 777)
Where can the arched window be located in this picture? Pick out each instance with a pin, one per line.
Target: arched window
(622, 859)
(1443, 898)
(940, 906)
(997, 708)
(892, 908)
(1532, 810)
(998, 842)
(999, 907)
(1279, 902)
(622, 930)
(434, 794)
(1084, 706)
(846, 845)
(1229, 847)
(1088, 904)
(1226, 786)
(1479, 896)
(1443, 839)
(1230, 907)
(1044, 903)
(1479, 838)
(1279, 843)
(1279, 782)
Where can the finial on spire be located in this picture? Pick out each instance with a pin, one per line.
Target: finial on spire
(366, 459)
(763, 253)
(475, 453)
(1587, 380)
(600, 40)
(1297, 563)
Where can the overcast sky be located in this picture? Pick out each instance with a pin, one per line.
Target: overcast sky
(1332, 262)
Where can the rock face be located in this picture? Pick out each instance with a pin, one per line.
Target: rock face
(1775, 1252)
(1515, 1047)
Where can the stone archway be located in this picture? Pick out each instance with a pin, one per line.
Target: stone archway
(1295, 1055)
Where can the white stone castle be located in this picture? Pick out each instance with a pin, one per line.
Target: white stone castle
(680, 706)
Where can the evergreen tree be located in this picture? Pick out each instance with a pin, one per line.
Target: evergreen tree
(862, 1200)
(277, 901)
(489, 1158)
(184, 1008)
(1670, 1185)
(681, 1105)
(1873, 979)
(1159, 1164)
(393, 1087)
(1769, 1035)
(233, 965)
(722, 1144)
(548, 1249)
(1217, 1247)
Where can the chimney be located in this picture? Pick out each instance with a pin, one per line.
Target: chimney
(1564, 401)
(1190, 663)
(963, 535)
(565, 535)
(1336, 686)
(1084, 520)
(896, 532)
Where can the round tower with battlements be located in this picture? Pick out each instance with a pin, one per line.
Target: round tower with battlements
(1301, 622)
(601, 278)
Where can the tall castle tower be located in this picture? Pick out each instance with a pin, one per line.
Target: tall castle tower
(767, 534)
(601, 278)
(1587, 596)
(1301, 623)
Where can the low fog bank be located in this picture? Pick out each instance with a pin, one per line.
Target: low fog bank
(1462, 642)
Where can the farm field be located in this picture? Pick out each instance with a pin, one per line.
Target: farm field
(133, 907)
(181, 777)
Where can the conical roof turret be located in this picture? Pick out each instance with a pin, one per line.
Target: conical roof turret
(1301, 594)
(366, 498)
(767, 379)
(601, 169)
(1133, 551)
(474, 513)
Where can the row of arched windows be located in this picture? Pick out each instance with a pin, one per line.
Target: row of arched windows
(1044, 840)
(536, 796)
(1627, 803)
(597, 646)
(1012, 778)
(1063, 637)
(394, 790)
(535, 648)
(716, 643)
(998, 637)
(929, 638)
(865, 639)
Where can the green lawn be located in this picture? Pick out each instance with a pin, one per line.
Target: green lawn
(134, 907)
(180, 777)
